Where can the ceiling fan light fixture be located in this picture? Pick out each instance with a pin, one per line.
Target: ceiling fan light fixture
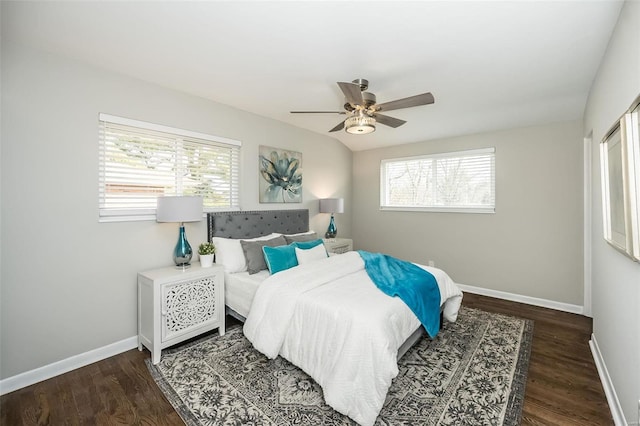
(363, 111)
(360, 124)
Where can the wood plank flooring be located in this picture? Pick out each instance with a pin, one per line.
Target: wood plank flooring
(563, 387)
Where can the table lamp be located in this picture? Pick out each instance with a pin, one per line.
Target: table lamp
(180, 209)
(331, 205)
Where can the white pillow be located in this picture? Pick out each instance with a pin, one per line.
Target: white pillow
(230, 255)
(311, 255)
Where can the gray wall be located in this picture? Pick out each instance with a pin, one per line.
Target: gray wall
(531, 246)
(615, 277)
(68, 282)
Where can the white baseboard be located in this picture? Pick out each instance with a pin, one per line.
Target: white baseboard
(609, 390)
(551, 304)
(31, 377)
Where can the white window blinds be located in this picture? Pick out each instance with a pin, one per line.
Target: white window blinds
(141, 161)
(461, 181)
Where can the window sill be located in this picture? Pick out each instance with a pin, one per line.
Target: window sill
(477, 210)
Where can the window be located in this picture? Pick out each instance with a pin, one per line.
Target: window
(461, 181)
(141, 161)
(632, 130)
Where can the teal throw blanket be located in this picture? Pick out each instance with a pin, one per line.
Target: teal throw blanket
(412, 284)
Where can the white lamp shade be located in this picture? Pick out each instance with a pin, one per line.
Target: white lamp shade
(332, 205)
(179, 209)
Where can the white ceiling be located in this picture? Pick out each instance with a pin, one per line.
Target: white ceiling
(490, 65)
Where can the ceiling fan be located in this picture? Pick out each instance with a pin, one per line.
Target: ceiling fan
(363, 111)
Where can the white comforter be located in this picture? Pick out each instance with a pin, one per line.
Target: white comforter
(328, 318)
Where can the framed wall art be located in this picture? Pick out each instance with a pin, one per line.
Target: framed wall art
(280, 175)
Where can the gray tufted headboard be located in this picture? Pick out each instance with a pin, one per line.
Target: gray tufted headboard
(252, 224)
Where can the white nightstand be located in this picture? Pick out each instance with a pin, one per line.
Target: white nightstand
(338, 245)
(176, 304)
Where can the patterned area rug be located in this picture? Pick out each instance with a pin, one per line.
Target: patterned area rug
(473, 373)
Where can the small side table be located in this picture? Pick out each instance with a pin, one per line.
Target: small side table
(177, 304)
(338, 245)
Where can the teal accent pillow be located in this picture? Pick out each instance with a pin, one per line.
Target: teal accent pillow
(280, 258)
(306, 245)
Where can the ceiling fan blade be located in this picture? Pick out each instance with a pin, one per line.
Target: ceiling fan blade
(338, 127)
(317, 112)
(411, 101)
(388, 121)
(352, 92)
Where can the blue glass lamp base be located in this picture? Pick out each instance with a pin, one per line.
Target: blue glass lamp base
(332, 231)
(182, 254)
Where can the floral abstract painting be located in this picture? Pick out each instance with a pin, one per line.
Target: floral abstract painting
(280, 175)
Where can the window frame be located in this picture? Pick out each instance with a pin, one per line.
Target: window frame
(142, 214)
(438, 209)
(633, 118)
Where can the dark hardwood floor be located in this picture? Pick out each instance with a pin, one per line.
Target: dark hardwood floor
(563, 387)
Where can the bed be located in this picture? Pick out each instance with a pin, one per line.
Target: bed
(240, 286)
(325, 317)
